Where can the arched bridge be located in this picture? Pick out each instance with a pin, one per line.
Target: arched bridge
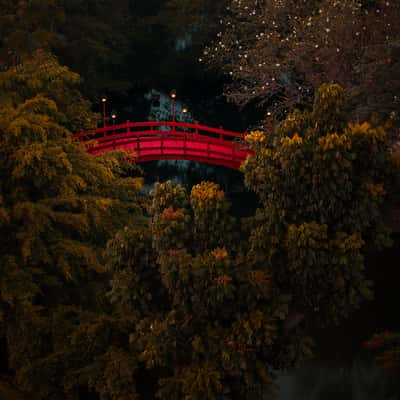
(153, 140)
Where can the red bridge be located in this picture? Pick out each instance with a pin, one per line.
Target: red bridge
(169, 141)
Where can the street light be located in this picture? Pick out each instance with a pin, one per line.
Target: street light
(103, 102)
(173, 96)
(184, 112)
(269, 125)
(113, 116)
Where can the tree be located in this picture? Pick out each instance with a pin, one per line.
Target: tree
(98, 44)
(59, 205)
(41, 75)
(277, 53)
(121, 48)
(205, 323)
(92, 38)
(207, 316)
(323, 183)
(27, 26)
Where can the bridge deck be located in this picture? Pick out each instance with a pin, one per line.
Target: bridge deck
(182, 141)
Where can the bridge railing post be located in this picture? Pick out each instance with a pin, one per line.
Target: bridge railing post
(196, 129)
(128, 128)
(221, 135)
(152, 127)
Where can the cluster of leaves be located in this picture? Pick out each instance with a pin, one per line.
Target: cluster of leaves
(197, 305)
(92, 38)
(41, 76)
(210, 209)
(278, 52)
(328, 190)
(208, 322)
(322, 183)
(225, 315)
(59, 206)
(119, 46)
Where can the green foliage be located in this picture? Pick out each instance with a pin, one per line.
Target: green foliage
(276, 54)
(58, 208)
(204, 320)
(42, 76)
(135, 286)
(90, 37)
(329, 108)
(170, 229)
(175, 301)
(210, 216)
(120, 47)
(322, 183)
(168, 194)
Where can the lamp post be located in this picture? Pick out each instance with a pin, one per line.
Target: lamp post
(103, 102)
(113, 116)
(184, 112)
(173, 96)
(269, 115)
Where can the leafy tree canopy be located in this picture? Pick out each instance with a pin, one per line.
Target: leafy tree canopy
(199, 305)
(207, 321)
(90, 37)
(58, 207)
(117, 46)
(42, 76)
(277, 53)
(322, 182)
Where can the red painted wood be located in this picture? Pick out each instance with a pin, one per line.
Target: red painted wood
(182, 141)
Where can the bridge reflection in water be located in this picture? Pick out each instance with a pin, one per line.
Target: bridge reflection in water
(153, 140)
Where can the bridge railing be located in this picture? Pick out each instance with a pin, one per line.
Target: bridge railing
(159, 128)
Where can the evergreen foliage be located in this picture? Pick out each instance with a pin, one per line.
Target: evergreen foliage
(186, 302)
(42, 76)
(59, 206)
(205, 322)
(119, 47)
(322, 183)
(90, 37)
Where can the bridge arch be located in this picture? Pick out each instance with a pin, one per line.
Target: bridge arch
(153, 140)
